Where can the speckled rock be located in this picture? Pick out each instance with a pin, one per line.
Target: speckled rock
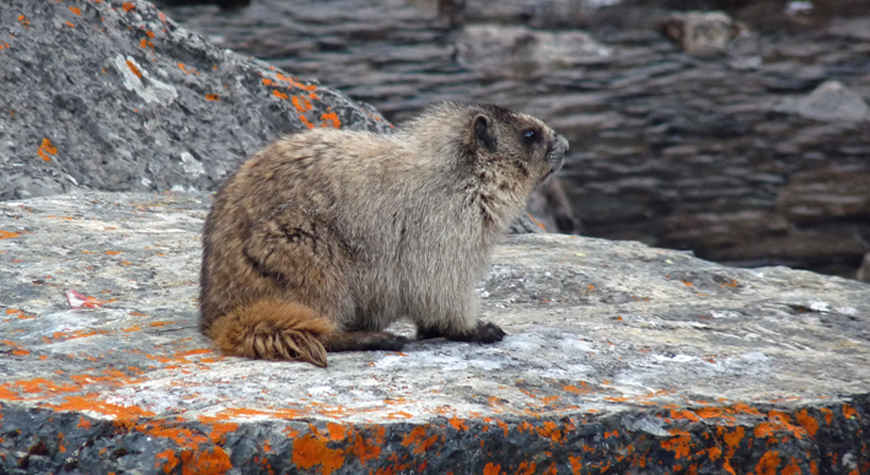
(113, 95)
(620, 358)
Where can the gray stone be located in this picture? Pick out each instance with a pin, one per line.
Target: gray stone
(830, 102)
(619, 357)
(113, 95)
(516, 51)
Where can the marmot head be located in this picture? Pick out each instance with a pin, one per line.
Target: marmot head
(492, 140)
(499, 155)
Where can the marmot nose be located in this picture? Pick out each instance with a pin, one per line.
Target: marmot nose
(563, 142)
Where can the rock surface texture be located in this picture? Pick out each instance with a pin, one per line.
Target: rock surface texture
(620, 358)
(737, 156)
(113, 95)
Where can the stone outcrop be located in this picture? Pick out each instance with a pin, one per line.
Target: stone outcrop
(114, 95)
(620, 358)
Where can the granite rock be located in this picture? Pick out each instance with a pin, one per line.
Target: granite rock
(619, 358)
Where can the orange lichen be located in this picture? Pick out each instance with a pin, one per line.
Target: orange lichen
(765, 429)
(212, 97)
(417, 436)
(849, 412)
(7, 235)
(680, 445)
(366, 450)
(309, 451)
(301, 105)
(127, 6)
(576, 464)
(714, 453)
(46, 148)
(689, 415)
(768, 463)
(293, 82)
(88, 403)
(791, 469)
(526, 468)
(492, 469)
(336, 431)
(808, 422)
(458, 424)
(280, 94)
(213, 461)
(171, 460)
(733, 438)
(132, 66)
(828, 414)
(551, 431)
(330, 117)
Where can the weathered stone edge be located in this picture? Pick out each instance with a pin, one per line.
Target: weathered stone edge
(762, 439)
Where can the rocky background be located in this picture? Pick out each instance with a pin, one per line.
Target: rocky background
(728, 139)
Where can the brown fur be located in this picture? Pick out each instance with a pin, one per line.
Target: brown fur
(324, 238)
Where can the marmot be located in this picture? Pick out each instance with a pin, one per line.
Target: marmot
(326, 237)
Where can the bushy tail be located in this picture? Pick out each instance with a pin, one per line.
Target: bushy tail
(273, 330)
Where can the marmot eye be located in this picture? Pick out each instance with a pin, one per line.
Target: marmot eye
(530, 136)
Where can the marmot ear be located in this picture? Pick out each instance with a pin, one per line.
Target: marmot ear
(483, 133)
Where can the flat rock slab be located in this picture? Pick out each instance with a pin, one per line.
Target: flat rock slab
(620, 358)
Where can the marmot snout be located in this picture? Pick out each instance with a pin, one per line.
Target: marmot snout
(324, 238)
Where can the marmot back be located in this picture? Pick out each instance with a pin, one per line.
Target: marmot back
(324, 238)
